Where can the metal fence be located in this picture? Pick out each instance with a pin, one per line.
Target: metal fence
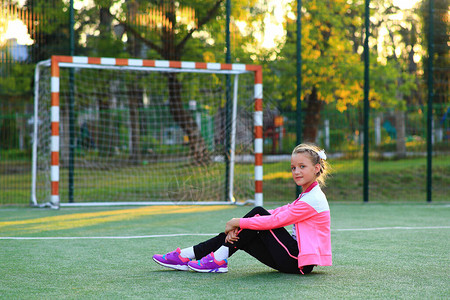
(339, 133)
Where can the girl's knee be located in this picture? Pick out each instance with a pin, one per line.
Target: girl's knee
(257, 210)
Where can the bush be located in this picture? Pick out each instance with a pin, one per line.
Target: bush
(337, 139)
(9, 134)
(15, 154)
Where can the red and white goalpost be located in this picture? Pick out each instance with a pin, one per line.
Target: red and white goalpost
(114, 121)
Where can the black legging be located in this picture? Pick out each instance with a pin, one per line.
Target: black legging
(260, 244)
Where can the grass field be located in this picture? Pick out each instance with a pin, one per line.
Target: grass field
(380, 251)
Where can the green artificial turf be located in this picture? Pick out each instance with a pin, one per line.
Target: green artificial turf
(380, 251)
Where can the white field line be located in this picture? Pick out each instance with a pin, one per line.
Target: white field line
(392, 228)
(104, 237)
(198, 234)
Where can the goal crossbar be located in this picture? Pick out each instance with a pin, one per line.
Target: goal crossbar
(58, 62)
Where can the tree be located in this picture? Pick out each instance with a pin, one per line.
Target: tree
(396, 51)
(441, 59)
(16, 74)
(165, 35)
(331, 71)
(49, 28)
(170, 30)
(157, 29)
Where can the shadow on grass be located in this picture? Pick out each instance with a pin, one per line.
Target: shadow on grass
(248, 274)
(270, 275)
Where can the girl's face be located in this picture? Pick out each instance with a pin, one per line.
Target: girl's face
(303, 170)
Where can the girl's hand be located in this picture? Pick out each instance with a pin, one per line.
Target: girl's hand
(232, 236)
(231, 225)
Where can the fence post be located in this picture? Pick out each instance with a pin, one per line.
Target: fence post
(228, 103)
(366, 104)
(71, 107)
(299, 78)
(430, 98)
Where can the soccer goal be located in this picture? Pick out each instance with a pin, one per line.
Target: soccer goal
(110, 131)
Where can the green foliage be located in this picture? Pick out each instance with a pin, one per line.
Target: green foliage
(337, 139)
(439, 41)
(8, 133)
(52, 36)
(106, 45)
(19, 81)
(55, 12)
(328, 63)
(187, 30)
(332, 59)
(15, 154)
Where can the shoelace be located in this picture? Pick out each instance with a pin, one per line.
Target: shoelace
(208, 258)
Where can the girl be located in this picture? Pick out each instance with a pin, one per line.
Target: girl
(261, 233)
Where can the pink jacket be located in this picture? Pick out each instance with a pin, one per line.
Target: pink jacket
(311, 215)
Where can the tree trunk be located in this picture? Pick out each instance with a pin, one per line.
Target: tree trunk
(134, 98)
(401, 132)
(184, 119)
(400, 126)
(134, 44)
(135, 92)
(104, 126)
(312, 116)
(170, 50)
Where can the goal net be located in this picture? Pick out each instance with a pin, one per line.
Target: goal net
(130, 131)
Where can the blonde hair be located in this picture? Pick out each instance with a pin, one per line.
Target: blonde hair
(313, 152)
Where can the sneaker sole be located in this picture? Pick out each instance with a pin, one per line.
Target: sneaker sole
(218, 270)
(175, 267)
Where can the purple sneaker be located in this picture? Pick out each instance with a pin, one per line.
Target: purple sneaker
(209, 264)
(172, 260)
